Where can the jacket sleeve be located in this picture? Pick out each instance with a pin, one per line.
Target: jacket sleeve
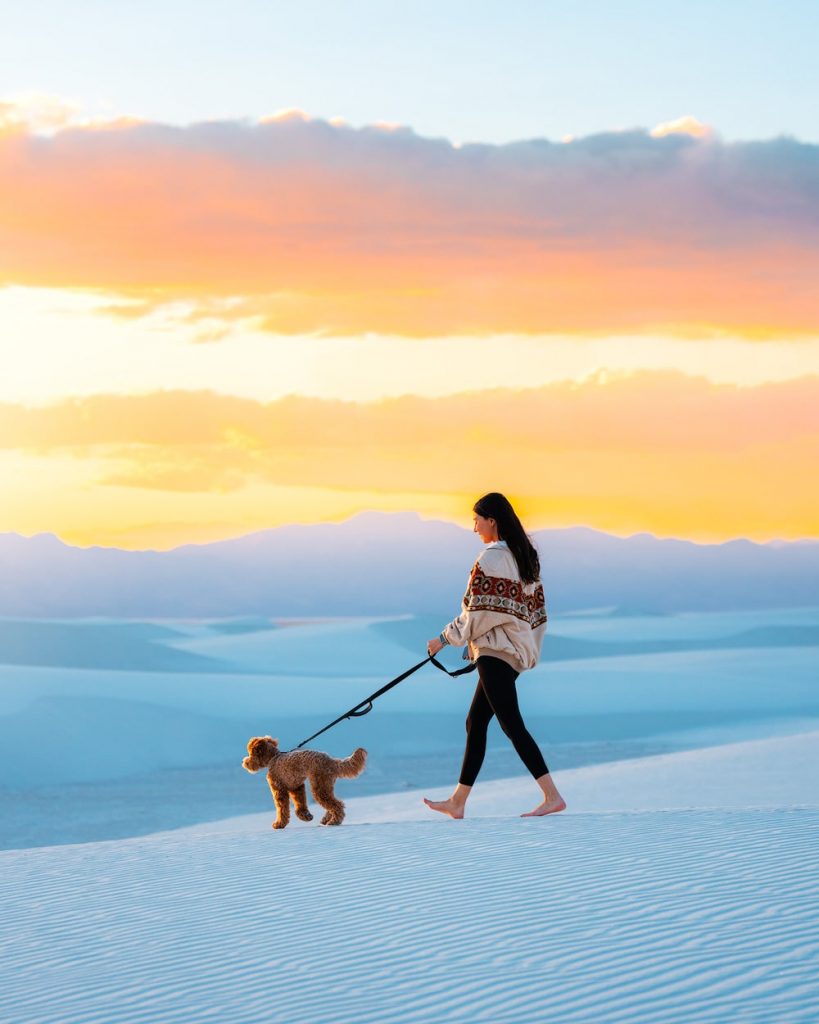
(490, 600)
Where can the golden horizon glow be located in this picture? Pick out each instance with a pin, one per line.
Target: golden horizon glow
(658, 452)
(59, 344)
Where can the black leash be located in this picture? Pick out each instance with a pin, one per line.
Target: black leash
(366, 705)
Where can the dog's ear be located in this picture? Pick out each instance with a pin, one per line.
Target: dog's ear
(257, 746)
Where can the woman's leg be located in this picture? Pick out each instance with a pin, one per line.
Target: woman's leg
(477, 724)
(499, 683)
(498, 680)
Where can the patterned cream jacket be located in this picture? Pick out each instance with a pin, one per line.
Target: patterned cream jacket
(500, 615)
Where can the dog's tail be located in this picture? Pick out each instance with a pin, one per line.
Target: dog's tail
(350, 767)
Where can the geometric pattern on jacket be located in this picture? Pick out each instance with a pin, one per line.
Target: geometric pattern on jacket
(498, 593)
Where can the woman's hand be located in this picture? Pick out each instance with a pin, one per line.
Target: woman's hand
(433, 646)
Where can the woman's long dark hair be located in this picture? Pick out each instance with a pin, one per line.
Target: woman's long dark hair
(496, 506)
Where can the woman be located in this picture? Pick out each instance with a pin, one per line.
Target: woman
(502, 622)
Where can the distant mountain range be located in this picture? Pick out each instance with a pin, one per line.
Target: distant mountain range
(393, 563)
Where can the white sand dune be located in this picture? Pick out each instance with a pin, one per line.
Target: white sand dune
(87, 702)
(766, 774)
(678, 888)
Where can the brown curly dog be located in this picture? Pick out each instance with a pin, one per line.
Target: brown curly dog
(287, 771)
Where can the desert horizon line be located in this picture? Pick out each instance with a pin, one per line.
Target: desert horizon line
(393, 514)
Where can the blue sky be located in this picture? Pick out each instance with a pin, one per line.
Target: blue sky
(493, 71)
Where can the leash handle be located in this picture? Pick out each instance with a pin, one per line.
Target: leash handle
(458, 672)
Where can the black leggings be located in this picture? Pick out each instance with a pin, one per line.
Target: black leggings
(495, 694)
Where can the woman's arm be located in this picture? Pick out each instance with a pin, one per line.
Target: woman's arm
(436, 644)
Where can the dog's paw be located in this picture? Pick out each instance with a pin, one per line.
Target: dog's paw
(304, 815)
(279, 824)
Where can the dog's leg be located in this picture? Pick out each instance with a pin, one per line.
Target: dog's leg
(321, 786)
(282, 800)
(299, 795)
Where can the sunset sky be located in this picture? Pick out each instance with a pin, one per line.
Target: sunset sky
(266, 263)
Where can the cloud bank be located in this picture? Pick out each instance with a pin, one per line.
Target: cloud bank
(312, 226)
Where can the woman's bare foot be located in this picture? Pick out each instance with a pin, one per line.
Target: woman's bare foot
(547, 807)
(552, 800)
(450, 807)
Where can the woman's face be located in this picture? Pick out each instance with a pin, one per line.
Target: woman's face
(486, 529)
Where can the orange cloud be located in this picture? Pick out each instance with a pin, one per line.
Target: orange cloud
(311, 226)
(663, 452)
(687, 125)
